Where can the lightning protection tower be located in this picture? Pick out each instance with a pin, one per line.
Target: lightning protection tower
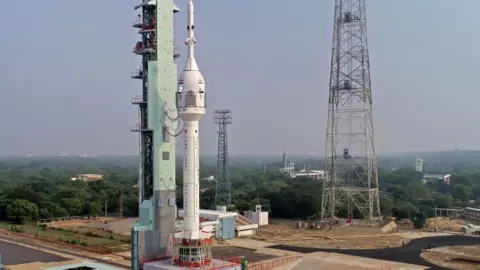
(351, 185)
(223, 195)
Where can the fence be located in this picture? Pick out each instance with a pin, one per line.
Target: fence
(273, 263)
(109, 215)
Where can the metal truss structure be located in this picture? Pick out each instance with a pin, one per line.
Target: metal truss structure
(223, 188)
(351, 183)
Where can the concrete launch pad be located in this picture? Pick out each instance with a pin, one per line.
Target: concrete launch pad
(168, 265)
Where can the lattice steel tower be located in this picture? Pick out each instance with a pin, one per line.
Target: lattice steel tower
(351, 184)
(223, 195)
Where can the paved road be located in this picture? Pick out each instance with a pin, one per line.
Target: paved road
(42, 247)
(409, 253)
(14, 254)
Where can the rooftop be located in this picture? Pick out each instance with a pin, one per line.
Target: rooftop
(472, 209)
(218, 213)
(84, 265)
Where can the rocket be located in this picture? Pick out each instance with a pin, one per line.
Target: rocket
(191, 103)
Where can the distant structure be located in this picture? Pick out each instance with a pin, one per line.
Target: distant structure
(258, 216)
(223, 195)
(306, 172)
(288, 166)
(88, 177)
(350, 161)
(436, 177)
(471, 213)
(419, 165)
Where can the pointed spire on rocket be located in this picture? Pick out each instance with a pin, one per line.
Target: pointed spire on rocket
(191, 85)
(191, 41)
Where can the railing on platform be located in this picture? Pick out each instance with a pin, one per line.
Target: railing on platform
(273, 263)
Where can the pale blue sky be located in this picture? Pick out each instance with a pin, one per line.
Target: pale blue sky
(65, 67)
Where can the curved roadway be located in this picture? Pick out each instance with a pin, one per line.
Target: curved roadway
(410, 253)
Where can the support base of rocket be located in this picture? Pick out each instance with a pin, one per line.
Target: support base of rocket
(193, 253)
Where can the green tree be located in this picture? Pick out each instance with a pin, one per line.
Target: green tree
(20, 211)
(442, 200)
(418, 218)
(404, 210)
(386, 205)
(73, 205)
(92, 208)
(461, 192)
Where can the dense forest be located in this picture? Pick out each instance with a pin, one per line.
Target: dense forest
(37, 188)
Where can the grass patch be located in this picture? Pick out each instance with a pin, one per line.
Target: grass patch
(84, 238)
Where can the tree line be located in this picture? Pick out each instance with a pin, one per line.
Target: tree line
(43, 189)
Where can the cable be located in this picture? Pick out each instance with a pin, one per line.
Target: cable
(171, 119)
(166, 106)
(174, 135)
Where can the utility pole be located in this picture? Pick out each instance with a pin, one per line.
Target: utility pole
(121, 205)
(350, 160)
(106, 202)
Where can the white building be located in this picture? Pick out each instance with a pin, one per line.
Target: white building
(259, 217)
(315, 174)
(88, 177)
(289, 168)
(223, 224)
(437, 177)
(210, 178)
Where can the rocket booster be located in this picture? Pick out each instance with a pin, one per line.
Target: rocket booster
(191, 108)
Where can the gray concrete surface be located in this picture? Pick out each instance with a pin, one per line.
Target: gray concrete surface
(15, 254)
(225, 252)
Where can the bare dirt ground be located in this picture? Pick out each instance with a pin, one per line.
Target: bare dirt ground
(445, 224)
(338, 237)
(97, 225)
(123, 226)
(74, 223)
(284, 232)
(454, 257)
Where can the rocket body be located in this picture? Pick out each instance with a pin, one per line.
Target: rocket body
(191, 108)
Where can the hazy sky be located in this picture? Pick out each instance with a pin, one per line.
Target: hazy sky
(65, 67)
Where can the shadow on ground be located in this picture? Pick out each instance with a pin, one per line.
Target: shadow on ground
(409, 253)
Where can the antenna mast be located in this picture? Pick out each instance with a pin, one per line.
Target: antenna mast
(350, 160)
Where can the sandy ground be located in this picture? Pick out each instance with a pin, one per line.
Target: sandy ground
(123, 226)
(346, 237)
(74, 223)
(448, 257)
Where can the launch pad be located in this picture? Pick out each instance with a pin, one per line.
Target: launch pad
(193, 253)
(214, 264)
